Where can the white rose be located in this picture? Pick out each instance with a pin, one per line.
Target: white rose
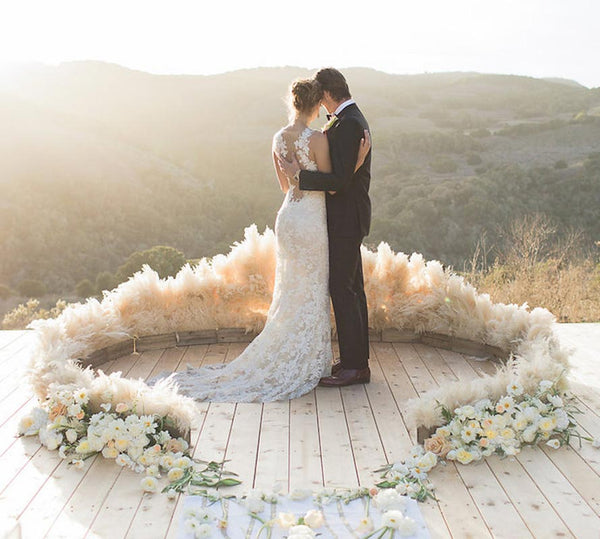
(427, 461)
(555, 400)
(407, 527)
(314, 519)
(286, 520)
(392, 519)
(529, 434)
(387, 499)
(175, 474)
(71, 435)
(149, 483)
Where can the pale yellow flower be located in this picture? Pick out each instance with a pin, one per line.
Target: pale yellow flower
(463, 456)
(175, 474)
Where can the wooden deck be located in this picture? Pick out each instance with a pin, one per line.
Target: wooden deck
(329, 437)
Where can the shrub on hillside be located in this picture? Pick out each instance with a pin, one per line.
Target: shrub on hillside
(85, 288)
(22, 315)
(105, 280)
(443, 165)
(163, 259)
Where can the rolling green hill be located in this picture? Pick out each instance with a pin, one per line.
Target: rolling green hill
(98, 161)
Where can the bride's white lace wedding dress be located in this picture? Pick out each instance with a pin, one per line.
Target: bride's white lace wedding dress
(293, 351)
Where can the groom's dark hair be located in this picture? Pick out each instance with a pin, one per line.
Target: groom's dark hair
(333, 81)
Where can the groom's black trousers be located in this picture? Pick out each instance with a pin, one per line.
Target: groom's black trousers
(347, 291)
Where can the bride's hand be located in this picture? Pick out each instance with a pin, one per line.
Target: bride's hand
(363, 150)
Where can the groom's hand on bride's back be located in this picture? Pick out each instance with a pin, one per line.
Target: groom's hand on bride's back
(289, 168)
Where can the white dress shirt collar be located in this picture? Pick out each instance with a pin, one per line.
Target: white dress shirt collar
(343, 106)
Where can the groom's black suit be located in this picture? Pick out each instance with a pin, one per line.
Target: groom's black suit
(348, 221)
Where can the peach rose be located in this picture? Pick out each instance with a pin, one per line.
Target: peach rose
(438, 445)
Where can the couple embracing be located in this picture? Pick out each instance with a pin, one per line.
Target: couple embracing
(319, 228)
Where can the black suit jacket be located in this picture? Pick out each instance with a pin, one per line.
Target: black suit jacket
(349, 210)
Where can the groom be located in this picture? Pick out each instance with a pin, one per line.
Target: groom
(348, 221)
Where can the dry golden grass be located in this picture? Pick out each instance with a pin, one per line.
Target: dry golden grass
(536, 267)
(570, 291)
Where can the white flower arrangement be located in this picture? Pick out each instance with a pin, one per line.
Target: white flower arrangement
(140, 442)
(473, 432)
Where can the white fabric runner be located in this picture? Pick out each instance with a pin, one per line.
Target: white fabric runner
(341, 520)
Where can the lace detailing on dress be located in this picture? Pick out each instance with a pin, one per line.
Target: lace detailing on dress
(302, 153)
(294, 349)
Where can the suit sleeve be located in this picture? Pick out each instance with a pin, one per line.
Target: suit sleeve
(343, 161)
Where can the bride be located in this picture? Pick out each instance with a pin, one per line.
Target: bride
(293, 351)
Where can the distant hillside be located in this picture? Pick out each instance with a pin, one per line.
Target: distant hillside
(98, 161)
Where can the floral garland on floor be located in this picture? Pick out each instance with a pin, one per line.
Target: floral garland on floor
(143, 443)
(501, 427)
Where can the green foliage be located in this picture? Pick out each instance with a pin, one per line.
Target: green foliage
(474, 159)
(134, 173)
(105, 280)
(560, 164)
(85, 288)
(443, 165)
(163, 259)
(32, 288)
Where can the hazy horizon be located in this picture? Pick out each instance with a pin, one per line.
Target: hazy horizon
(540, 39)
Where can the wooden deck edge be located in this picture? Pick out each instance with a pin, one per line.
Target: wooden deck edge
(237, 335)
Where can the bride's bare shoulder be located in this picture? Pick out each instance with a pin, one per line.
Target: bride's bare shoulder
(318, 140)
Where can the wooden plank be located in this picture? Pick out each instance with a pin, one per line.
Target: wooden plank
(497, 510)
(8, 430)
(580, 474)
(243, 444)
(51, 498)
(566, 501)
(86, 500)
(8, 336)
(272, 463)
(417, 371)
(188, 338)
(367, 446)
(527, 498)
(339, 468)
(305, 451)
(153, 342)
(456, 504)
(388, 418)
(437, 367)
(230, 335)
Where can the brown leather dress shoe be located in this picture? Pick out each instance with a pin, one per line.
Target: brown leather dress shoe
(347, 377)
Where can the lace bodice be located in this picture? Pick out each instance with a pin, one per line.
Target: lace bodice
(291, 354)
(302, 153)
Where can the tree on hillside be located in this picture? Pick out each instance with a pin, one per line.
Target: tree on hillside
(163, 259)
(105, 280)
(85, 288)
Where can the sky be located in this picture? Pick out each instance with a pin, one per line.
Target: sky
(539, 38)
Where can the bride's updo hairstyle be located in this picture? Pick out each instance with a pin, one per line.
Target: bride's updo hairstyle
(304, 96)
